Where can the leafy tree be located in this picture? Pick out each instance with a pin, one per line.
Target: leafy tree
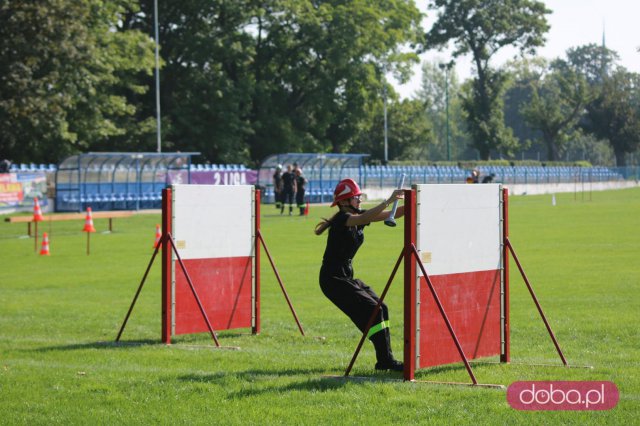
(592, 61)
(482, 28)
(330, 57)
(433, 93)
(244, 79)
(558, 98)
(614, 114)
(408, 130)
(523, 73)
(205, 83)
(66, 74)
(585, 146)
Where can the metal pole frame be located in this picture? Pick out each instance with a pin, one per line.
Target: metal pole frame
(163, 241)
(157, 72)
(193, 290)
(275, 271)
(414, 250)
(373, 314)
(408, 253)
(409, 250)
(505, 351)
(166, 271)
(535, 300)
(255, 328)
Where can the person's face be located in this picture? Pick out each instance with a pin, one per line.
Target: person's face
(355, 201)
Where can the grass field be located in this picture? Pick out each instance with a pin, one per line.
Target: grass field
(57, 312)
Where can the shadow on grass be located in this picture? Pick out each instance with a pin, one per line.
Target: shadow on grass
(101, 345)
(263, 380)
(176, 343)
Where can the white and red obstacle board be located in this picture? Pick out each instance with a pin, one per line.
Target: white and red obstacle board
(458, 231)
(214, 231)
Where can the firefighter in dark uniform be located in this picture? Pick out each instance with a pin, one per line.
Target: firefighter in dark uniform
(351, 295)
(277, 186)
(301, 183)
(288, 189)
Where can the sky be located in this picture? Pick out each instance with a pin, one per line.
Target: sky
(573, 23)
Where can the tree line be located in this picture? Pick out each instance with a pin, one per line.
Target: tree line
(243, 79)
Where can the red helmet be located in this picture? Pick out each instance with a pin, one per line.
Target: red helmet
(345, 189)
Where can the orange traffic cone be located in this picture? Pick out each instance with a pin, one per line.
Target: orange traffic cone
(306, 209)
(37, 212)
(44, 251)
(158, 236)
(88, 222)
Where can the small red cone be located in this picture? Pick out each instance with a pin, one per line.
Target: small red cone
(37, 212)
(306, 209)
(88, 222)
(158, 236)
(44, 251)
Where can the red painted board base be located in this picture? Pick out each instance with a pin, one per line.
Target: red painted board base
(472, 304)
(224, 288)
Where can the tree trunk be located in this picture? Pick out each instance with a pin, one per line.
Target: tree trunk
(552, 151)
(621, 160)
(484, 151)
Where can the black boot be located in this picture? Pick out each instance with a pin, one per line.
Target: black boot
(384, 357)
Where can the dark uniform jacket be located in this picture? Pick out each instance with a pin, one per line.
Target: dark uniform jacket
(343, 243)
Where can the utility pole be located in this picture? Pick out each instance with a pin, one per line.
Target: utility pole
(158, 123)
(447, 67)
(386, 142)
(384, 98)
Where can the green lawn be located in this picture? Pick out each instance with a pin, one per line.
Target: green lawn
(59, 315)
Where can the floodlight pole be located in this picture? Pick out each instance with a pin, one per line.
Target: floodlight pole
(158, 122)
(386, 142)
(447, 67)
(384, 102)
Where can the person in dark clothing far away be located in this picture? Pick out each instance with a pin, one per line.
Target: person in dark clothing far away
(277, 186)
(288, 189)
(301, 184)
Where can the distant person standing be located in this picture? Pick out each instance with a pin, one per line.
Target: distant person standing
(301, 184)
(288, 189)
(277, 186)
(475, 177)
(5, 166)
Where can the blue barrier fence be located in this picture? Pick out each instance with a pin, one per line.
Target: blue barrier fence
(320, 188)
(125, 181)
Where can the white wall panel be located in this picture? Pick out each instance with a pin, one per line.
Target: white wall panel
(458, 227)
(213, 221)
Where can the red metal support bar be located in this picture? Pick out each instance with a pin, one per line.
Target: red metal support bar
(444, 315)
(193, 290)
(409, 286)
(505, 352)
(167, 267)
(275, 271)
(163, 240)
(144, 278)
(535, 300)
(373, 314)
(255, 329)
